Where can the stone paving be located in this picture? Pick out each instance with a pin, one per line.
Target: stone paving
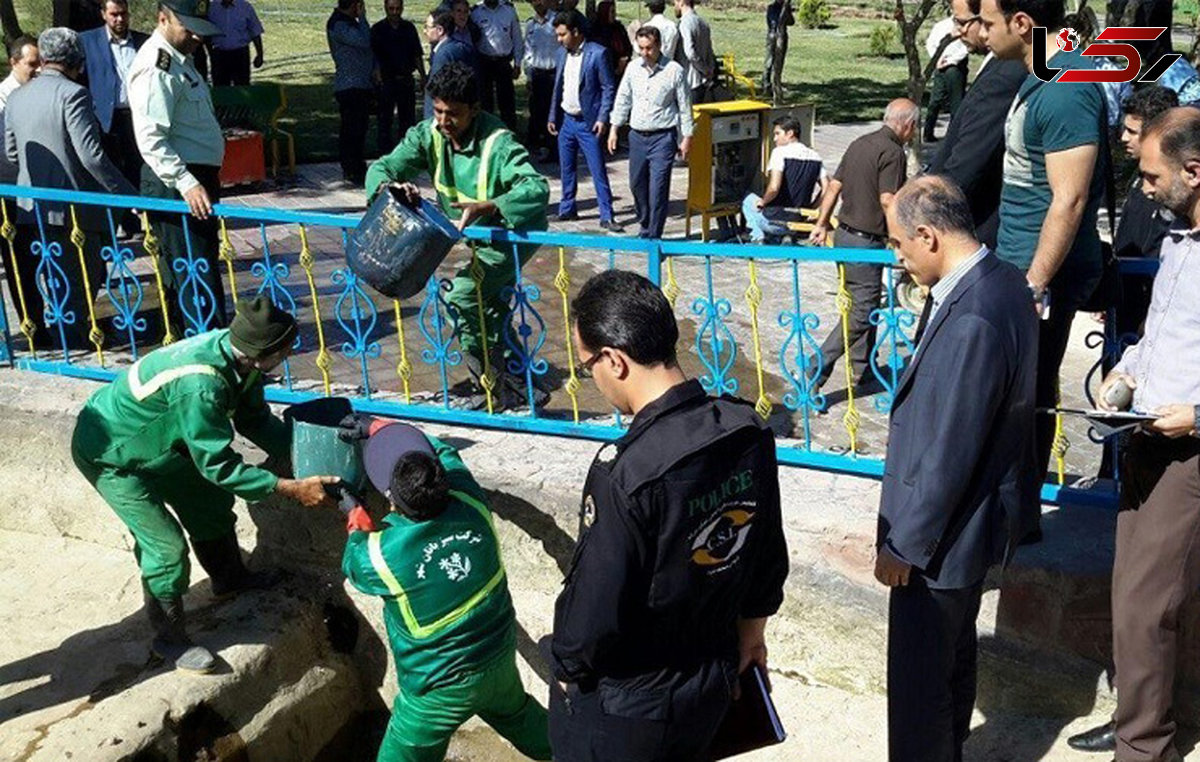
(317, 188)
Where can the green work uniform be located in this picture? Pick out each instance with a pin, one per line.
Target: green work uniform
(162, 434)
(450, 623)
(490, 166)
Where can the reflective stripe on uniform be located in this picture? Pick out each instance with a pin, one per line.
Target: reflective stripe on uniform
(415, 628)
(141, 391)
(481, 181)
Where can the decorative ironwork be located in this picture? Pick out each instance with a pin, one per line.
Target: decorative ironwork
(530, 336)
(892, 321)
(851, 418)
(357, 315)
(714, 342)
(150, 244)
(404, 367)
(79, 240)
(324, 362)
(227, 254)
(272, 274)
(435, 317)
(562, 282)
(124, 289)
(52, 282)
(488, 378)
(754, 296)
(197, 302)
(794, 359)
(8, 231)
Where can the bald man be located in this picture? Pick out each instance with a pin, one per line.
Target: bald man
(872, 170)
(960, 468)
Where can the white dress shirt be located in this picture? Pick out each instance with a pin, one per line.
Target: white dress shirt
(571, 80)
(499, 31)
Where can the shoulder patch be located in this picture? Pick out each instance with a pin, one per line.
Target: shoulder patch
(607, 454)
(164, 60)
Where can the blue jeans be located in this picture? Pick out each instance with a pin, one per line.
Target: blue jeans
(760, 224)
(651, 156)
(574, 135)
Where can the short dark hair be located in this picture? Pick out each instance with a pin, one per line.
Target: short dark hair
(656, 6)
(419, 488)
(936, 201)
(1178, 129)
(789, 123)
(625, 311)
(571, 19)
(1047, 13)
(345, 5)
(975, 6)
(123, 3)
(650, 32)
(1150, 101)
(454, 83)
(443, 19)
(17, 46)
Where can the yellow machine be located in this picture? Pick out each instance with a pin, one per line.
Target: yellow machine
(729, 150)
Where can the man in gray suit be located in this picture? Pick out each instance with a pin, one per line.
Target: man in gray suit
(51, 133)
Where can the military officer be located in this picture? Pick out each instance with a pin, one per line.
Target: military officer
(181, 142)
(162, 434)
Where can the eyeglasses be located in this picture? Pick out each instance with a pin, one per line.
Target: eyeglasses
(964, 23)
(585, 368)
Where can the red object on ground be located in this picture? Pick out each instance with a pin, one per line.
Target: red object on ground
(245, 161)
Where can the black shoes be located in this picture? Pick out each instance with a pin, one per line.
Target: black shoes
(1102, 738)
(612, 226)
(171, 641)
(564, 217)
(222, 559)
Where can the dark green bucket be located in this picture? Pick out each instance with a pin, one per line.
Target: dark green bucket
(316, 449)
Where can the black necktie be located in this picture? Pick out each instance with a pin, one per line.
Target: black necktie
(924, 319)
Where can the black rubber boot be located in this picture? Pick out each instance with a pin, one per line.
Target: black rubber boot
(171, 641)
(222, 559)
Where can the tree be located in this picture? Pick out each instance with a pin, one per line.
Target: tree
(9, 23)
(918, 76)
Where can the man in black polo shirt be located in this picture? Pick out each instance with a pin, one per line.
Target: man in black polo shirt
(681, 556)
(872, 170)
(397, 49)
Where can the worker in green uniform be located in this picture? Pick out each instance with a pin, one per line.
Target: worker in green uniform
(482, 175)
(161, 434)
(450, 620)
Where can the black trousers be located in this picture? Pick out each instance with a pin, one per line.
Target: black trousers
(932, 656)
(397, 99)
(865, 284)
(497, 94)
(120, 145)
(671, 722)
(58, 308)
(231, 67)
(949, 84)
(354, 107)
(194, 305)
(1053, 335)
(541, 90)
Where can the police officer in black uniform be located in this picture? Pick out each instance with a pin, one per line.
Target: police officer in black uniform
(681, 556)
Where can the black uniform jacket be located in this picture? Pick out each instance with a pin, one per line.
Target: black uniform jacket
(681, 536)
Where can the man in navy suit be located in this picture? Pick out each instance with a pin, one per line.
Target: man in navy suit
(960, 468)
(584, 90)
(109, 51)
(444, 48)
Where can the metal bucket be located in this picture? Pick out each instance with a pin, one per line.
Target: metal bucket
(396, 247)
(316, 449)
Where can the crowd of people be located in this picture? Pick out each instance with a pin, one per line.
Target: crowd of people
(681, 558)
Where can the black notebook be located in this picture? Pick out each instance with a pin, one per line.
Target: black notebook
(751, 722)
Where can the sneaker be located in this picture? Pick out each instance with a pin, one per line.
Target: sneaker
(612, 226)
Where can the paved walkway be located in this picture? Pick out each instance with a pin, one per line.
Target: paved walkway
(317, 188)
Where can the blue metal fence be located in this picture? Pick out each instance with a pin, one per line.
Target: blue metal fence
(126, 315)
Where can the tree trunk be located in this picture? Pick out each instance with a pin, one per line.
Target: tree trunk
(9, 22)
(910, 27)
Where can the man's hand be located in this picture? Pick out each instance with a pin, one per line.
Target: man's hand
(355, 427)
(198, 202)
(752, 649)
(612, 140)
(1177, 421)
(311, 492)
(473, 211)
(1114, 377)
(552, 128)
(890, 569)
(598, 128)
(258, 61)
(818, 235)
(685, 147)
(409, 192)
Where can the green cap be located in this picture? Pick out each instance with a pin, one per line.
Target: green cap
(193, 14)
(260, 328)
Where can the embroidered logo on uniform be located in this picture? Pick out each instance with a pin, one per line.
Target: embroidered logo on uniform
(164, 60)
(457, 565)
(718, 542)
(607, 454)
(589, 512)
(201, 7)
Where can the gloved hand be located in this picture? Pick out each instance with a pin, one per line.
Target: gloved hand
(347, 499)
(355, 427)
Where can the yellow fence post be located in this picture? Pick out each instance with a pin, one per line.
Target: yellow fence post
(227, 254)
(403, 368)
(487, 379)
(150, 243)
(754, 298)
(851, 417)
(562, 282)
(78, 239)
(9, 232)
(324, 362)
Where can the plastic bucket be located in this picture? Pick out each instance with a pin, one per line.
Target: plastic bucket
(316, 449)
(396, 247)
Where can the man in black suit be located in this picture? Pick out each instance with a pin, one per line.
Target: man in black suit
(972, 153)
(960, 465)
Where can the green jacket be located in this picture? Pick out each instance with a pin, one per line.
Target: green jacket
(183, 401)
(492, 166)
(445, 597)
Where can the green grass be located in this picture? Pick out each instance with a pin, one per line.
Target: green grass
(830, 67)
